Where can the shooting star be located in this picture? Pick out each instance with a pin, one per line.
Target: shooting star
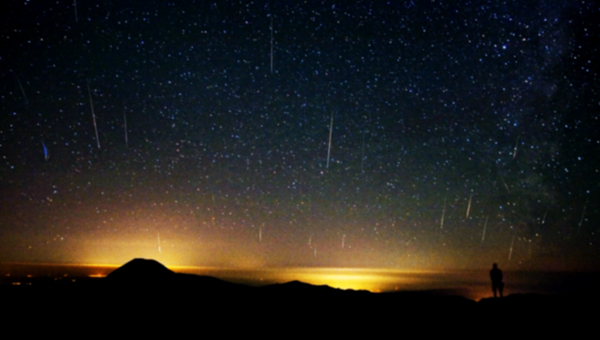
(443, 214)
(511, 248)
(362, 159)
(46, 154)
(23, 91)
(343, 241)
(582, 215)
(93, 115)
(330, 134)
(506, 186)
(158, 236)
(310, 241)
(484, 227)
(544, 218)
(75, 6)
(125, 120)
(469, 206)
(271, 44)
(260, 234)
(516, 145)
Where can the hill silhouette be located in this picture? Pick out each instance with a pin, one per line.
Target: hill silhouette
(146, 289)
(140, 270)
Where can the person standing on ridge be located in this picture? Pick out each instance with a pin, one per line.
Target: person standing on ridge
(496, 276)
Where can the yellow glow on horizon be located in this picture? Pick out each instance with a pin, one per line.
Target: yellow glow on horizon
(373, 280)
(97, 275)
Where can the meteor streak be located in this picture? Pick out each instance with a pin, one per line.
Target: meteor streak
(511, 248)
(506, 186)
(158, 236)
(469, 206)
(46, 155)
(75, 6)
(330, 134)
(362, 159)
(93, 115)
(125, 128)
(582, 215)
(544, 219)
(271, 43)
(23, 91)
(484, 227)
(443, 214)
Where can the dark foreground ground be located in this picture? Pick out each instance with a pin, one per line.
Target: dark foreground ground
(145, 297)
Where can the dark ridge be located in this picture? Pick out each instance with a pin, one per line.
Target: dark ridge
(145, 289)
(301, 290)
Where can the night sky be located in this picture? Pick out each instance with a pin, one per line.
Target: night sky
(365, 134)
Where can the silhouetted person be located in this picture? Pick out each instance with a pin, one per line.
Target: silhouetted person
(496, 276)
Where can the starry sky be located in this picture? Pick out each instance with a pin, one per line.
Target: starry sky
(266, 134)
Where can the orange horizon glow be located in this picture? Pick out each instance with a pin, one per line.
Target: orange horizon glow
(472, 284)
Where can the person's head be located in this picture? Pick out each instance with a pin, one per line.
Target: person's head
(495, 265)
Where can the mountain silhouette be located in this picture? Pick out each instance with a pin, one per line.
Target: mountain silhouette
(141, 270)
(139, 276)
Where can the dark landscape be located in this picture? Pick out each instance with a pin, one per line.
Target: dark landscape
(147, 289)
